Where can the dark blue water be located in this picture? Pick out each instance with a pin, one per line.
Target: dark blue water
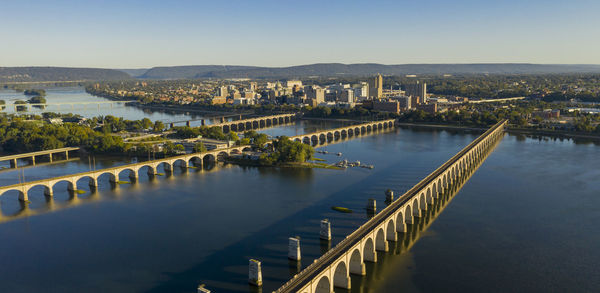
(510, 228)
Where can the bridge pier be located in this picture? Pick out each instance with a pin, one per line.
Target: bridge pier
(341, 282)
(93, 182)
(48, 191)
(325, 233)
(294, 248)
(389, 196)
(372, 205)
(23, 197)
(254, 273)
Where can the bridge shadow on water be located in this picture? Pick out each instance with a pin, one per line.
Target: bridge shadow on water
(227, 270)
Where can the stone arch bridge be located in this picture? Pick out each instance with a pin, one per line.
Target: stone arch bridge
(333, 269)
(254, 123)
(343, 132)
(113, 173)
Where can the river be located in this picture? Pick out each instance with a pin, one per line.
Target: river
(526, 221)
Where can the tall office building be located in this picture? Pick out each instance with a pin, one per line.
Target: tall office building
(376, 87)
(418, 91)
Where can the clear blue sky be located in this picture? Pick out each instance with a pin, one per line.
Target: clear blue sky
(141, 34)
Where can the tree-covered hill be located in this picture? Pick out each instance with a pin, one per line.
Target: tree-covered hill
(338, 69)
(40, 74)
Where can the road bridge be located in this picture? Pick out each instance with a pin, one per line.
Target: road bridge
(31, 156)
(333, 269)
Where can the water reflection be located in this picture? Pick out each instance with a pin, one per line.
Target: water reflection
(385, 267)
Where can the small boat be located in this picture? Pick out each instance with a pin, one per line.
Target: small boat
(342, 209)
(339, 154)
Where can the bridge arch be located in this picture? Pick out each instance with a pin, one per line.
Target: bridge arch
(391, 230)
(70, 184)
(408, 214)
(400, 222)
(132, 173)
(195, 160)
(356, 263)
(323, 286)
(20, 194)
(380, 242)
(222, 155)
(47, 190)
(429, 195)
(180, 162)
(422, 201)
(209, 158)
(416, 210)
(369, 250)
(341, 276)
(91, 180)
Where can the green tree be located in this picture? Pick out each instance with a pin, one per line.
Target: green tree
(199, 147)
(158, 126)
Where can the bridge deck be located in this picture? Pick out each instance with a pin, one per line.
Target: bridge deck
(38, 153)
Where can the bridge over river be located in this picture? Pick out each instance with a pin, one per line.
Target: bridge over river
(333, 269)
(183, 161)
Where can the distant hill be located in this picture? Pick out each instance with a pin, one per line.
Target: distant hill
(338, 69)
(34, 74)
(134, 72)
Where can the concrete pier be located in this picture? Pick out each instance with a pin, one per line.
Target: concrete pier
(325, 233)
(389, 196)
(371, 205)
(254, 273)
(294, 248)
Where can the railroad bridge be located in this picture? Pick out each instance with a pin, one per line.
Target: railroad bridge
(334, 268)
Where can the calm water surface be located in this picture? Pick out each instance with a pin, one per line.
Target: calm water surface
(526, 221)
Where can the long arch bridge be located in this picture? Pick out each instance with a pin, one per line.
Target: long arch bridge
(113, 173)
(333, 269)
(183, 161)
(343, 132)
(244, 124)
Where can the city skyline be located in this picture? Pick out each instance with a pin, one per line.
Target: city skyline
(144, 34)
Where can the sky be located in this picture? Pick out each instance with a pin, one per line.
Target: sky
(144, 34)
